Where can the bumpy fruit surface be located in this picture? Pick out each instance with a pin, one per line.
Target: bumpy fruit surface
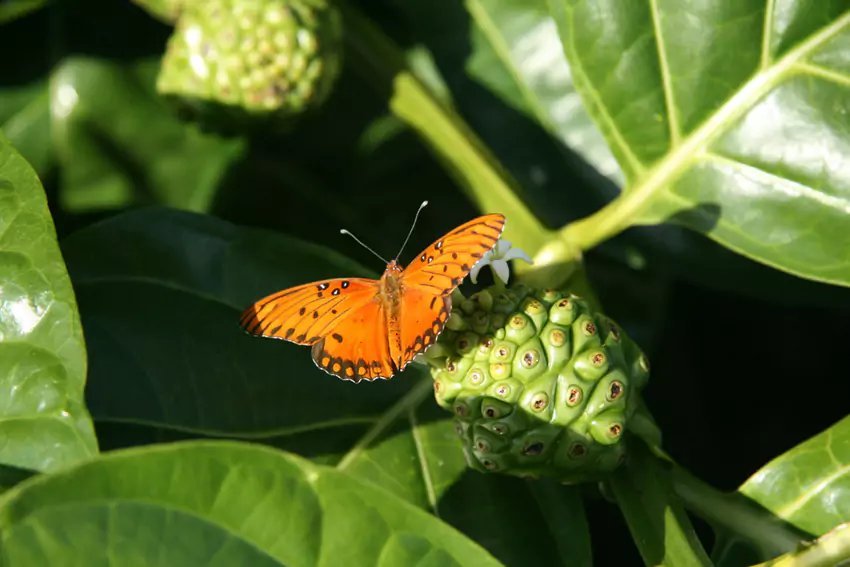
(539, 383)
(248, 59)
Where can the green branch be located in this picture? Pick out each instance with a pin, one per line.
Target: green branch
(737, 514)
(832, 548)
(454, 143)
(657, 521)
(731, 512)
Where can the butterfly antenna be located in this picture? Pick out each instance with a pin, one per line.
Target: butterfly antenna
(360, 242)
(412, 226)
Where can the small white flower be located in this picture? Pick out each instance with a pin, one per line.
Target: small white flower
(498, 258)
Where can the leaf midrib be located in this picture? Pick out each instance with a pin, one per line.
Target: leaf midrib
(625, 210)
(152, 281)
(258, 435)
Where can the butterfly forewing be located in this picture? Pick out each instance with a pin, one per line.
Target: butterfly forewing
(304, 314)
(340, 318)
(430, 278)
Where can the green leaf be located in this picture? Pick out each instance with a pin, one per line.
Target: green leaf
(165, 10)
(120, 144)
(413, 428)
(43, 422)
(521, 519)
(14, 9)
(221, 504)
(165, 345)
(516, 53)
(413, 452)
(504, 64)
(25, 120)
(809, 486)
(745, 137)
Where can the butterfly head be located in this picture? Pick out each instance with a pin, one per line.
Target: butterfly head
(393, 271)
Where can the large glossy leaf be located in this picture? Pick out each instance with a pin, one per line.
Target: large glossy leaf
(809, 485)
(43, 422)
(731, 118)
(418, 457)
(173, 357)
(160, 293)
(515, 51)
(219, 504)
(497, 59)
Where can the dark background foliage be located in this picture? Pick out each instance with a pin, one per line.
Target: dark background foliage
(747, 361)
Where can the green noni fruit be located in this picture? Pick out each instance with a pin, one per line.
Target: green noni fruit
(539, 384)
(252, 59)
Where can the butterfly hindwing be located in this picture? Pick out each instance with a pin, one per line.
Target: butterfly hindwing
(423, 316)
(357, 348)
(430, 278)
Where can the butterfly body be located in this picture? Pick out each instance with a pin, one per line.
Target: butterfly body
(389, 295)
(363, 329)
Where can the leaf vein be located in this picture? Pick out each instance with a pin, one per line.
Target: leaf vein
(666, 81)
(409, 400)
(823, 73)
(807, 495)
(766, 33)
(617, 139)
(423, 462)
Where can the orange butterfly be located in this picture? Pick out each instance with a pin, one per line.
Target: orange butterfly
(363, 329)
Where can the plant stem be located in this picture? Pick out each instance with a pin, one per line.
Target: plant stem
(732, 512)
(832, 548)
(736, 514)
(453, 142)
(411, 399)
